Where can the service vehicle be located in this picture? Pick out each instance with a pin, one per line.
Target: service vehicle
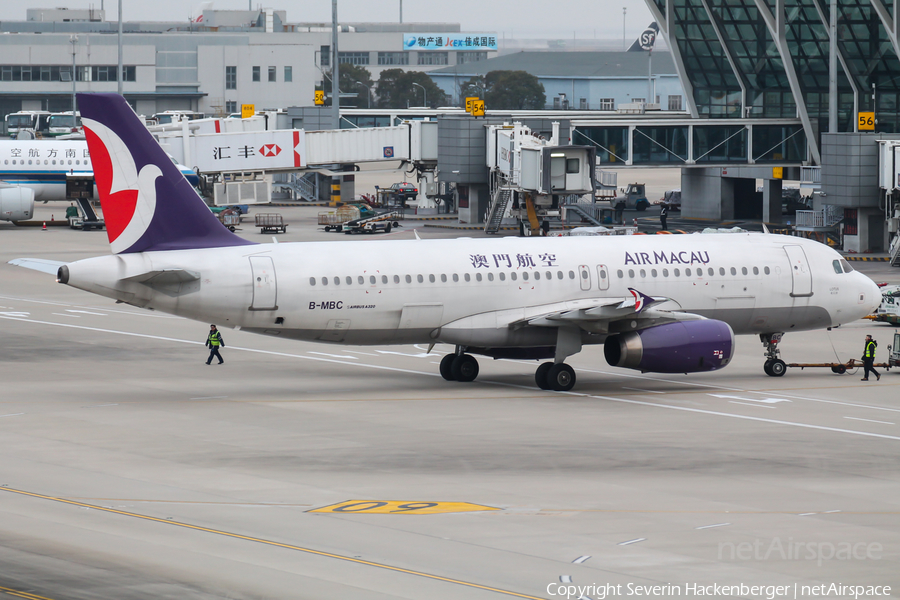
(634, 196)
(63, 124)
(30, 120)
(672, 198)
(271, 223)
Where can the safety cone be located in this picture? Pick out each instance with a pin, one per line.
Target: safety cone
(44, 228)
(51, 218)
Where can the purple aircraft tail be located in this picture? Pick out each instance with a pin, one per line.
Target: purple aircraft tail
(147, 203)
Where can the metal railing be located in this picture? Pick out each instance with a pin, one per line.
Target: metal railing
(810, 176)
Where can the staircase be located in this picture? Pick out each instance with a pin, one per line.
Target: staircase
(499, 203)
(895, 251)
(574, 208)
(303, 185)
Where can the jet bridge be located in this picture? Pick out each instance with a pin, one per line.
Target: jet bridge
(260, 154)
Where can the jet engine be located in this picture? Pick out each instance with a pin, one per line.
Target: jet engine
(16, 203)
(682, 347)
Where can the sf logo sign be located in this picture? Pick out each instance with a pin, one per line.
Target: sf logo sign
(648, 37)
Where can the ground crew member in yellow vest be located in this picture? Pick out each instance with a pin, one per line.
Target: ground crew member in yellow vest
(869, 358)
(214, 341)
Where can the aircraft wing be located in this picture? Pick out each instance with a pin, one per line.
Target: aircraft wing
(38, 264)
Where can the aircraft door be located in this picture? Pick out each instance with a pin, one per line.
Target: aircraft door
(603, 277)
(265, 289)
(801, 276)
(584, 275)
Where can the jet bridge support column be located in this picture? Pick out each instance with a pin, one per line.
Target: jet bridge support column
(771, 201)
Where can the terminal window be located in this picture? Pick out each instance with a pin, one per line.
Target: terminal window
(272, 74)
(353, 58)
(64, 73)
(675, 103)
(255, 73)
(325, 56)
(393, 58)
(231, 106)
(607, 104)
(468, 57)
(433, 58)
(288, 74)
(230, 78)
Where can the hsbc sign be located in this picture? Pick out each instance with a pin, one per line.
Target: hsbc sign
(249, 151)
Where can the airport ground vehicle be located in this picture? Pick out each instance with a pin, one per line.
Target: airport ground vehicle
(34, 120)
(270, 223)
(229, 218)
(63, 124)
(634, 196)
(672, 198)
(403, 192)
(384, 221)
(334, 220)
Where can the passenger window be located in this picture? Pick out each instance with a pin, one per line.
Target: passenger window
(665, 272)
(468, 277)
(643, 273)
(396, 279)
(431, 278)
(455, 277)
(312, 281)
(337, 281)
(549, 275)
(537, 275)
(571, 274)
(384, 279)
(846, 265)
(477, 276)
(512, 276)
(524, 275)
(677, 273)
(502, 276)
(766, 270)
(836, 265)
(324, 281)
(620, 273)
(631, 273)
(687, 272)
(360, 280)
(722, 271)
(710, 272)
(733, 271)
(743, 270)
(559, 274)
(349, 280)
(756, 270)
(490, 276)
(420, 279)
(408, 279)
(372, 279)
(443, 278)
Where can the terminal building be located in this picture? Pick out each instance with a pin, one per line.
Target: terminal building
(213, 65)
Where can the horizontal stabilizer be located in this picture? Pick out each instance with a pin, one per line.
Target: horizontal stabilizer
(38, 264)
(165, 277)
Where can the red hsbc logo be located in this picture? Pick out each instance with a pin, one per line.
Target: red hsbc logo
(270, 150)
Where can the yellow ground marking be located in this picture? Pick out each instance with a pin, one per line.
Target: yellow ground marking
(399, 507)
(248, 538)
(22, 594)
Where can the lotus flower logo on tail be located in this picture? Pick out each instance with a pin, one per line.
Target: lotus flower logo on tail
(128, 198)
(147, 203)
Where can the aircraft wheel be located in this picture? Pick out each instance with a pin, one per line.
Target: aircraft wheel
(767, 367)
(777, 368)
(447, 367)
(540, 376)
(561, 377)
(464, 368)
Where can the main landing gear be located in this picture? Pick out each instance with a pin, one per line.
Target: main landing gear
(460, 366)
(774, 366)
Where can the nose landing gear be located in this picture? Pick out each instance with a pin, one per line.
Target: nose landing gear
(774, 366)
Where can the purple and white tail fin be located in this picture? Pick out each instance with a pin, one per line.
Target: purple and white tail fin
(147, 203)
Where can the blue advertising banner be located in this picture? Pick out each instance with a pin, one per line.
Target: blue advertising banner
(449, 41)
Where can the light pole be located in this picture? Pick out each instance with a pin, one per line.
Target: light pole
(73, 39)
(335, 70)
(624, 39)
(368, 94)
(120, 74)
(424, 93)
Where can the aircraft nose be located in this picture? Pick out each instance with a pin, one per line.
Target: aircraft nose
(870, 295)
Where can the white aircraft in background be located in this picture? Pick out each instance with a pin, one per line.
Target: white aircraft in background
(521, 298)
(37, 170)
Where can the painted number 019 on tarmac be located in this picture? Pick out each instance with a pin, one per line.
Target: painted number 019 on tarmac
(395, 507)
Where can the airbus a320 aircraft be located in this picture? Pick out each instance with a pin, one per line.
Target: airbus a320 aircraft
(522, 298)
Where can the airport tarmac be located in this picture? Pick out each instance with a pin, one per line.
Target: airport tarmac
(131, 470)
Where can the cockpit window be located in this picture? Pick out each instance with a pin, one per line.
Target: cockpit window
(847, 267)
(837, 266)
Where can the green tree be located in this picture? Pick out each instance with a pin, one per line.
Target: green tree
(513, 90)
(396, 89)
(349, 76)
(473, 88)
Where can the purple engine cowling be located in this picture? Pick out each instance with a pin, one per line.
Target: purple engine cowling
(682, 347)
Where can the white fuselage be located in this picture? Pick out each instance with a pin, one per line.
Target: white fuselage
(469, 291)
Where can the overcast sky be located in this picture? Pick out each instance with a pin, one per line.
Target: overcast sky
(509, 18)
